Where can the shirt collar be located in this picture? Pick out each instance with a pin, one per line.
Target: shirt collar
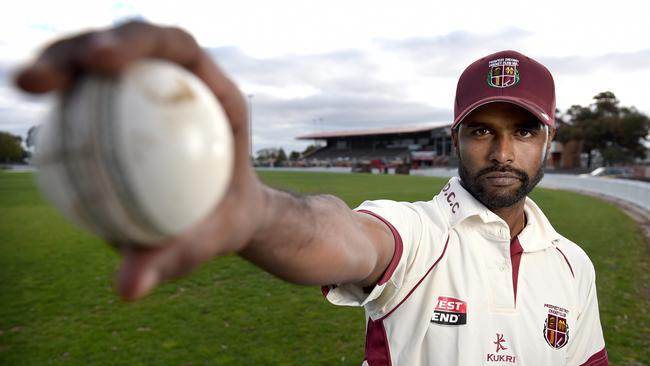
(538, 233)
(457, 205)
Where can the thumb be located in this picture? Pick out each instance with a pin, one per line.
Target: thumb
(137, 275)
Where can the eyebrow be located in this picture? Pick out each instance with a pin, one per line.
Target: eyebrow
(528, 123)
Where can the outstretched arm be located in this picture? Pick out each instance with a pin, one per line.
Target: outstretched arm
(302, 239)
(319, 240)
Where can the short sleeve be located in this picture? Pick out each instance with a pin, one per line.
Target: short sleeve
(405, 221)
(588, 346)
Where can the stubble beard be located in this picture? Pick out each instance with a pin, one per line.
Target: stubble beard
(498, 198)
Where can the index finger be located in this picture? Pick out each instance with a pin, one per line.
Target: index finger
(107, 51)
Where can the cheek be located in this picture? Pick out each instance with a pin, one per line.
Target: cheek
(531, 156)
(474, 156)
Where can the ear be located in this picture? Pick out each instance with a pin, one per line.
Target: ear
(454, 137)
(551, 136)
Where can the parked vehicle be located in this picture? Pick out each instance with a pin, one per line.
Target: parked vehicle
(609, 172)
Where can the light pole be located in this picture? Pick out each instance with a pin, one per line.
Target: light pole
(250, 125)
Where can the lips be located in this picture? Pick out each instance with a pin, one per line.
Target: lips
(502, 179)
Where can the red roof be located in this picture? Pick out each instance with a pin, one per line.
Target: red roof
(374, 131)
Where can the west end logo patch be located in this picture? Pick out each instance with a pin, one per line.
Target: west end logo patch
(556, 328)
(503, 72)
(450, 311)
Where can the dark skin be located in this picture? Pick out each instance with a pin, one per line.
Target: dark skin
(503, 134)
(311, 240)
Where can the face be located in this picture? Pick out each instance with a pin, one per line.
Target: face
(501, 149)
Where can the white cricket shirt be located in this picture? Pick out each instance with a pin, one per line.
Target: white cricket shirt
(458, 291)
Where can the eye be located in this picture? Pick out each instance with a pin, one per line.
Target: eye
(480, 131)
(525, 133)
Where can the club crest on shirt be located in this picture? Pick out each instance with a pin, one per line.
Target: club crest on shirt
(556, 328)
(450, 311)
(503, 72)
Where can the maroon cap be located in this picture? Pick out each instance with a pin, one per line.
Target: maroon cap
(506, 76)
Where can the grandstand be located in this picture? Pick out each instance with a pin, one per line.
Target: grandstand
(420, 146)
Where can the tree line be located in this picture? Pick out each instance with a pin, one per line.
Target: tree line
(616, 132)
(11, 149)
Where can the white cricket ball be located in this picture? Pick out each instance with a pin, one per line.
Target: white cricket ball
(139, 157)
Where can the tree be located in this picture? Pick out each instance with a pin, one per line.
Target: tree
(616, 132)
(11, 150)
(267, 153)
(271, 157)
(281, 158)
(294, 156)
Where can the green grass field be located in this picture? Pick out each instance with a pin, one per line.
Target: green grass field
(57, 305)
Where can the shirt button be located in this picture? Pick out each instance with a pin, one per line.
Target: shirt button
(502, 267)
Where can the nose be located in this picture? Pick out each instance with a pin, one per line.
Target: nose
(502, 150)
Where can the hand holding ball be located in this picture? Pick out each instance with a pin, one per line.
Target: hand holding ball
(138, 157)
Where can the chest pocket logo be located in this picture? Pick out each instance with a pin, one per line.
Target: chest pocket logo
(450, 311)
(556, 329)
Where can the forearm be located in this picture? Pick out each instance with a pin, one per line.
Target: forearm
(312, 240)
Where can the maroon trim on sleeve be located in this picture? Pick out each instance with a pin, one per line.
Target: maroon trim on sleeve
(377, 348)
(420, 281)
(325, 290)
(597, 359)
(515, 258)
(567, 262)
(399, 248)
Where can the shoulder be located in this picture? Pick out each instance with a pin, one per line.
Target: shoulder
(577, 259)
(421, 213)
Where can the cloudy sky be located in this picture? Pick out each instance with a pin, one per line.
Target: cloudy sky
(313, 65)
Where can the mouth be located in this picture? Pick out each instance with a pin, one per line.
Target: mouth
(501, 179)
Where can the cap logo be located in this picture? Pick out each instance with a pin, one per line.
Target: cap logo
(503, 72)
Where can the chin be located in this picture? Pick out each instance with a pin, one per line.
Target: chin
(500, 198)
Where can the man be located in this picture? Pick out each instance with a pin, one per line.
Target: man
(475, 276)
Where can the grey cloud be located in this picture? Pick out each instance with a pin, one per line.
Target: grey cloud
(342, 111)
(458, 41)
(18, 111)
(447, 55)
(283, 120)
(616, 61)
(294, 69)
(349, 95)
(18, 120)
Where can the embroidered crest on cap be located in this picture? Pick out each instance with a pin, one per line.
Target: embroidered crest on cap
(503, 72)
